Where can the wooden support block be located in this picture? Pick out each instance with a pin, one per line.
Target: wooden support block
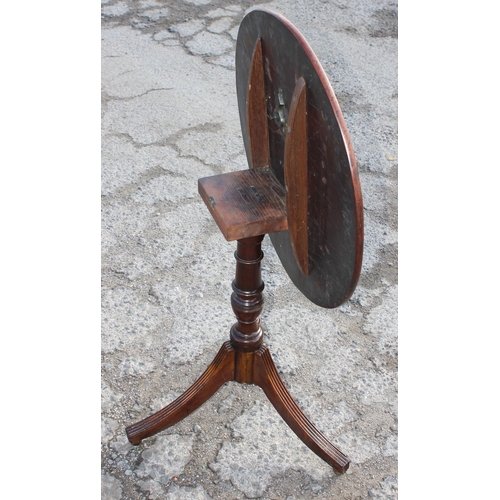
(296, 181)
(256, 111)
(245, 203)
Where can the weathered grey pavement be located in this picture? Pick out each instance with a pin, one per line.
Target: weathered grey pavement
(170, 116)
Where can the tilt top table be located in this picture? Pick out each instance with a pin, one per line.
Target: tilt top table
(303, 189)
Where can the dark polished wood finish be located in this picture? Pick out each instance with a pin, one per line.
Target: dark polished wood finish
(246, 360)
(247, 300)
(303, 189)
(267, 377)
(220, 371)
(335, 206)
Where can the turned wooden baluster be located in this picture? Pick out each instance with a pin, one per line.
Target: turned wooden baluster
(247, 302)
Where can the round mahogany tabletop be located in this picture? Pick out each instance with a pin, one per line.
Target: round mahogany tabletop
(327, 268)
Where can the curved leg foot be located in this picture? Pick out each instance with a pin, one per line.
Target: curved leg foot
(220, 371)
(266, 376)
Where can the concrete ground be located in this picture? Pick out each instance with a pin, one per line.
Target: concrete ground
(169, 116)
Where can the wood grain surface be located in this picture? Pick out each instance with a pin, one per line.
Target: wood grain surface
(245, 203)
(256, 109)
(296, 173)
(334, 201)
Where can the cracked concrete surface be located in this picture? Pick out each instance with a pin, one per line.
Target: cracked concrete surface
(169, 116)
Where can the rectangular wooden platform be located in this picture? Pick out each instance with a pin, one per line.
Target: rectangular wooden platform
(245, 203)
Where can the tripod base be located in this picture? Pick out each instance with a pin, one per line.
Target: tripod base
(243, 358)
(246, 367)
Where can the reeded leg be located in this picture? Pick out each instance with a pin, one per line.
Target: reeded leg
(245, 360)
(267, 377)
(220, 371)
